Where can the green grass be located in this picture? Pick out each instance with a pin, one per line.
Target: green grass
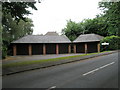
(16, 64)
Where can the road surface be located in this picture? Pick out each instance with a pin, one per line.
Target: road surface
(99, 72)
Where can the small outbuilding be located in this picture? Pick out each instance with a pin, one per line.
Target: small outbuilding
(50, 43)
(87, 43)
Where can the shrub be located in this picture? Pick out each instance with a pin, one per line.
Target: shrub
(114, 42)
(4, 52)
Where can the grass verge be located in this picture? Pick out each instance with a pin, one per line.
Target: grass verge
(17, 64)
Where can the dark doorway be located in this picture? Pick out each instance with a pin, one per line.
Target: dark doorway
(37, 49)
(50, 48)
(80, 48)
(63, 48)
(92, 47)
(22, 49)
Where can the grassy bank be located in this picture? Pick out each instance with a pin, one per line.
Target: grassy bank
(17, 64)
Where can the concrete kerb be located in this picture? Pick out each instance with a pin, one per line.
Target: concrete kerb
(46, 65)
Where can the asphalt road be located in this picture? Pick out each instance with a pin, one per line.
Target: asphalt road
(99, 72)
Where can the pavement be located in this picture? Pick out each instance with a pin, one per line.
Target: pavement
(99, 72)
(13, 70)
(20, 58)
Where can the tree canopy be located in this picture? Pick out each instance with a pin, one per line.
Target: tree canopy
(15, 23)
(72, 29)
(111, 12)
(105, 24)
(17, 10)
(13, 31)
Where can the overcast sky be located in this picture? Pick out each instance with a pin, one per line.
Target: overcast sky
(52, 14)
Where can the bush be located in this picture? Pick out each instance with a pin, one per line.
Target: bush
(4, 52)
(114, 42)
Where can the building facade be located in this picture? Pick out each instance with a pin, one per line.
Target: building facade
(87, 43)
(52, 43)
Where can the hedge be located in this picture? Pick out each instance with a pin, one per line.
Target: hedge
(114, 42)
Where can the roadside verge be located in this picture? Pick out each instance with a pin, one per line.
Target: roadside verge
(27, 66)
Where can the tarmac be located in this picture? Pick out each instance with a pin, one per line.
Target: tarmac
(14, 70)
(20, 58)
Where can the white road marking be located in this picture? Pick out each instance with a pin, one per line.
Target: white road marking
(51, 87)
(92, 71)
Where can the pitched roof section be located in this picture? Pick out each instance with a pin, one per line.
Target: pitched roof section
(51, 33)
(88, 38)
(48, 38)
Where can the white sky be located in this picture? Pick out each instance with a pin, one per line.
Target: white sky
(52, 14)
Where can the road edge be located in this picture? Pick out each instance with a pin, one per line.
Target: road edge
(85, 58)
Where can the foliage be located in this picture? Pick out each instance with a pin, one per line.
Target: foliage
(114, 42)
(96, 25)
(105, 24)
(17, 10)
(15, 24)
(4, 51)
(13, 31)
(111, 12)
(72, 30)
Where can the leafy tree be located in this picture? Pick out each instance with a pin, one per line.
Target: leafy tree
(15, 23)
(13, 31)
(105, 24)
(17, 10)
(111, 12)
(72, 30)
(96, 25)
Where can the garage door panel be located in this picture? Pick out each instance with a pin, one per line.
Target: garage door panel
(92, 47)
(63, 48)
(22, 49)
(37, 49)
(80, 48)
(50, 48)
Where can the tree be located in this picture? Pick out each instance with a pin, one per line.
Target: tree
(14, 22)
(17, 10)
(13, 31)
(87, 26)
(96, 25)
(105, 24)
(111, 12)
(72, 30)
